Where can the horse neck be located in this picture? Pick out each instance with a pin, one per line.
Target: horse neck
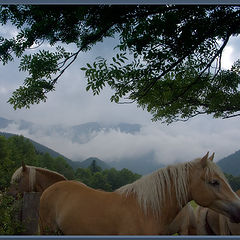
(171, 206)
(178, 195)
(161, 194)
(45, 179)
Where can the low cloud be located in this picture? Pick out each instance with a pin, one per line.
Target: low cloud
(176, 143)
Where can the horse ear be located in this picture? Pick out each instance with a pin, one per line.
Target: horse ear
(211, 158)
(204, 160)
(24, 168)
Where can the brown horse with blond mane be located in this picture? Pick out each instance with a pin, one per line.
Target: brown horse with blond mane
(32, 179)
(145, 207)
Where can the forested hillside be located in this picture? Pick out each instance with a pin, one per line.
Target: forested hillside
(43, 149)
(15, 149)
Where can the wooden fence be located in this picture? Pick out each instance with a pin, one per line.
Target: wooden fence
(29, 212)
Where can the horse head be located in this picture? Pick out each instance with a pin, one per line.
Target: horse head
(20, 181)
(209, 188)
(32, 179)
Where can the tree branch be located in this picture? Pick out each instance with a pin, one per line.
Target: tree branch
(219, 52)
(231, 116)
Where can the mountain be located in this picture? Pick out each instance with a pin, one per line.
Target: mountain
(43, 149)
(81, 133)
(5, 122)
(141, 165)
(230, 164)
(86, 163)
(77, 164)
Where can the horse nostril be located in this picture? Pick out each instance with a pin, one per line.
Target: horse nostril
(235, 214)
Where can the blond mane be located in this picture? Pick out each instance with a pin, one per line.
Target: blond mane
(17, 175)
(150, 189)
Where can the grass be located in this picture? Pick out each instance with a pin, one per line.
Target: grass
(194, 204)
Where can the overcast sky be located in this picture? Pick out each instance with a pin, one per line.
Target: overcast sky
(70, 104)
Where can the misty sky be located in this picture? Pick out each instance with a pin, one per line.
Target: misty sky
(70, 104)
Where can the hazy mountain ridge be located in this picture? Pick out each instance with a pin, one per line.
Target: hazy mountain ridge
(81, 133)
(231, 164)
(5, 122)
(143, 165)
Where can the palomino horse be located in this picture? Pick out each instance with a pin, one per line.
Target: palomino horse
(185, 222)
(145, 207)
(210, 222)
(32, 179)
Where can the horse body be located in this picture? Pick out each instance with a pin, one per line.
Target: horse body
(185, 222)
(32, 179)
(230, 228)
(207, 221)
(104, 213)
(148, 206)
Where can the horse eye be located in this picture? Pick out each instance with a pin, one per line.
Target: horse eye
(214, 183)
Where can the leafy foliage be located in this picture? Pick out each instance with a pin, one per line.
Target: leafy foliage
(168, 61)
(108, 179)
(9, 211)
(5, 163)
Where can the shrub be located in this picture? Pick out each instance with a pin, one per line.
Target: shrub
(10, 223)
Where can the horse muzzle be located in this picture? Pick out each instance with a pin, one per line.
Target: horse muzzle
(14, 194)
(235, 218)
(234, 212)
(229, 209)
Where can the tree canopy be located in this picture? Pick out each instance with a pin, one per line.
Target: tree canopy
(168, 60)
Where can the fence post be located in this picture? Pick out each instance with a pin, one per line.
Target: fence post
(30, 208)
